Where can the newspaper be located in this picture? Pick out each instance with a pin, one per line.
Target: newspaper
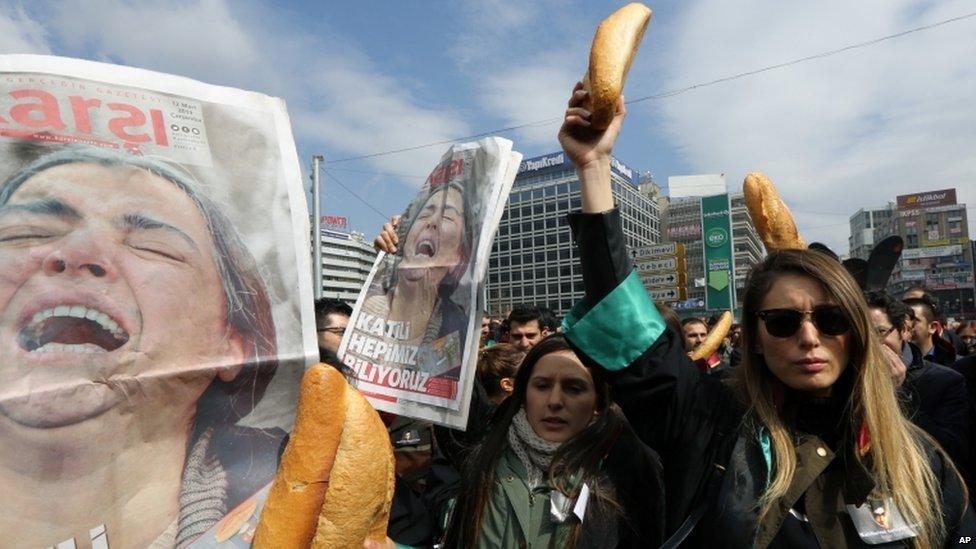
(411, 345)
(153, 232)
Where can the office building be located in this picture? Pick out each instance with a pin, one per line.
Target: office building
(347, 258)
(937, 250)
(864, 227)
(534, 260)
(683, 221)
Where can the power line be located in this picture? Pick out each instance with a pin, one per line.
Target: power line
(677, 91)
(367, 172)
(348, 190)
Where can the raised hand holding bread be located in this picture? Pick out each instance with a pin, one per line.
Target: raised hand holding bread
(614, 47)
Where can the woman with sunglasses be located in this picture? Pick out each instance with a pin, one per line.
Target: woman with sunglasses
(806, 445)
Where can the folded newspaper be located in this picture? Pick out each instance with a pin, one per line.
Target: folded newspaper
(411, 345)
(155, 307)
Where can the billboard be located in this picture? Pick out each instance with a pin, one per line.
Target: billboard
(716, 223)
(945, 197)
(558, 161)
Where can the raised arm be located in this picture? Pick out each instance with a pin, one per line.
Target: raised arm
(617, 327)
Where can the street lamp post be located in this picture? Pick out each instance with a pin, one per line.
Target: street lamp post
(317, 225)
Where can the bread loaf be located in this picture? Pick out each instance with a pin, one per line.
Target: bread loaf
(614, 47)
(292, 508)
(769, 214)
(714, 338)
(357, 505)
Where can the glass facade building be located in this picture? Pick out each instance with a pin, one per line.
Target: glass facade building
(534, 260)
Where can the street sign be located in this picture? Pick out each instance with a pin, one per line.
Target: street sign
(670, 248)
(665, 279)
(665, 264)
(667, 294)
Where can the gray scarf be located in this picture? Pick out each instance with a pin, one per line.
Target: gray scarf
(533, 451)
(203, 499)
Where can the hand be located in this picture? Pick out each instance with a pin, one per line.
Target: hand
(582, 144)
(387, 240)
(373, 544)
(898, 369)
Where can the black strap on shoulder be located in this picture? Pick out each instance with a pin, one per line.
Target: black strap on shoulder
(688, 526)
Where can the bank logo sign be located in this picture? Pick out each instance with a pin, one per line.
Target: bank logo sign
(716, 237)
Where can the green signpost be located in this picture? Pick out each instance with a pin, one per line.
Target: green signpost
(717, 249)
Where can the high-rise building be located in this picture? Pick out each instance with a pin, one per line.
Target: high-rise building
(347, 258)
(864, 229)
(937, 250)
(534, 260)
(683, 222)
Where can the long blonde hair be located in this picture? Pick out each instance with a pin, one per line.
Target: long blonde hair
(896, 455)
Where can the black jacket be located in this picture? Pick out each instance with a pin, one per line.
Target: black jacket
(714, 466)
(935, 399)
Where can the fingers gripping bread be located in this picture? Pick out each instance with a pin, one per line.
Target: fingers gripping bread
(769, 214)
(614, 47)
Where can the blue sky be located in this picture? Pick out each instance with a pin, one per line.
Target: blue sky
(835, 134)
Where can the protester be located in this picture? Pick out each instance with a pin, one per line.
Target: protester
(487, 338)
(556, 443)
(925, 332)
(807, 447)
(935, 397)
(527, 325)
(497, 366)
(947, 338)
(694, 331)
(331, 318)
(967, 334)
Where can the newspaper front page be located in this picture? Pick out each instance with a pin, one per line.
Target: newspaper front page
(153, 232)
(411, 345)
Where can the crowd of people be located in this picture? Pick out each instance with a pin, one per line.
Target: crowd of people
(829, 417)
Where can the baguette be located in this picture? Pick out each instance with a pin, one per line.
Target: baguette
(614, 47)
(714, 338)
(292, 508)
(357, 505)
(769, 214)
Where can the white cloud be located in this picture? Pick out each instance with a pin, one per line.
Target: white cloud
(338, 98)
(523, 59)
(835, 134)
(19, 33)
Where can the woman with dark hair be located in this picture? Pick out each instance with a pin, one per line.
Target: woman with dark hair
(497, 366)
(436, 235)
(556, 467)
(806, 445)
(138, 333)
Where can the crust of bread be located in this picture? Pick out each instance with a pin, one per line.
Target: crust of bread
(614, 47)
(769, 214)
(357, 505)
(714, 338)
(292, 508)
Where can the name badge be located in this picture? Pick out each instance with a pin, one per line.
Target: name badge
(878, 521)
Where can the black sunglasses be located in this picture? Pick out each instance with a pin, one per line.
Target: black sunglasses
(829, 319)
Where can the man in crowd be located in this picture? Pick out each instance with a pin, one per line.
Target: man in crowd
(528, 325)
(936, 397)
(925, 332)
(694, 331)
(945, 336)
(331, 318)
